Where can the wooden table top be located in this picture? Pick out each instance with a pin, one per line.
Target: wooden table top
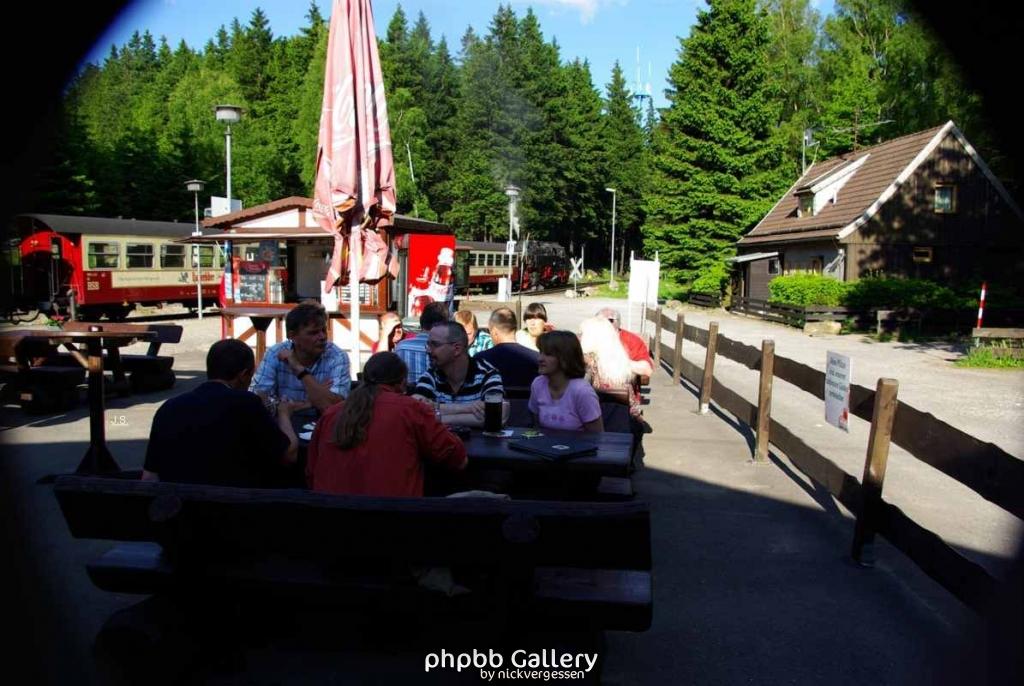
(612, 458)
(253, 311)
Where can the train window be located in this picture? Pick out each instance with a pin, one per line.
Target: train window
(172, 256)
(104, 256)
(205, 256)
(490, 259)
(140, 255)
(472, 259)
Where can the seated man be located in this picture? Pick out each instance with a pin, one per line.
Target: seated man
(457, 383)
(306, 366)
(640, 359)
(413, 351)
(516, 363)
(219, 433)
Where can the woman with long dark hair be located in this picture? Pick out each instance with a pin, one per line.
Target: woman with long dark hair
(374, 443)
(560, 397)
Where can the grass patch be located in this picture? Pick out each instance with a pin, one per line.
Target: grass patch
(983, 358)
(605, 291)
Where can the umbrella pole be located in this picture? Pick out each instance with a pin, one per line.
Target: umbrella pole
(356, 253)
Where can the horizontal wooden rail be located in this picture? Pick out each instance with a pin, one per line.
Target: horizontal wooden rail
(965, 579)
(983, 467)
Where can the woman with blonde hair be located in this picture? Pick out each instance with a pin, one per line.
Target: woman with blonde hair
(608, 365)
(375, 441)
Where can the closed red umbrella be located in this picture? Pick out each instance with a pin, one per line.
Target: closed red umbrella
(355, 177)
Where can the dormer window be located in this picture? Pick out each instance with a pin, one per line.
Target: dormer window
(806, 205)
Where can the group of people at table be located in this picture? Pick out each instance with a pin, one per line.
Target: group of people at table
(373, 437)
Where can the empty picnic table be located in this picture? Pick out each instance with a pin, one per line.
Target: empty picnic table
(35, 343)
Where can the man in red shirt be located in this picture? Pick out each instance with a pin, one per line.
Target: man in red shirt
(639, 358)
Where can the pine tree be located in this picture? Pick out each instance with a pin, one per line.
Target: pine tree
(717, 162)
(626, 155)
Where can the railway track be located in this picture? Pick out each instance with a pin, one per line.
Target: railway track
(543, 291)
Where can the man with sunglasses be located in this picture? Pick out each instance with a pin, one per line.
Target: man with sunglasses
(456, 383)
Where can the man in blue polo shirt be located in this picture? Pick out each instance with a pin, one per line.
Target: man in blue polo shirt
(307, 366)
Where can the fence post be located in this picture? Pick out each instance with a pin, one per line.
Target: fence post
(709, 369)
(677, 357)
(874, 471)
(657, 339)
(764, 399)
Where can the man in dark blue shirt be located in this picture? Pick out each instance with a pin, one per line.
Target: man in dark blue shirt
(516, 363)
(219, 433)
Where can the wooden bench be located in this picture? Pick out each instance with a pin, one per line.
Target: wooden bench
(39, 388)
(576, 565)
(149, 372)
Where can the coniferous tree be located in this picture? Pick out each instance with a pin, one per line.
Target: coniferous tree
(626, 155)
(717, 164)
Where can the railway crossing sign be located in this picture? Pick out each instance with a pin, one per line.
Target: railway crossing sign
(577, 267)
(510, 247)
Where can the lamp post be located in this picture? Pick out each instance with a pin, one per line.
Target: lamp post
(513, 194)
(195, 186)
(229, 114)
(612, 281)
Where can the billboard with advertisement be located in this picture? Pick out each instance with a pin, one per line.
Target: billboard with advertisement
(431, 272)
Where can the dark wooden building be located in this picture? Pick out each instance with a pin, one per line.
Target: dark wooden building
(923, 205)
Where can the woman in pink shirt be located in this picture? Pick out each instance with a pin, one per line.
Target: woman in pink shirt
(560, 398)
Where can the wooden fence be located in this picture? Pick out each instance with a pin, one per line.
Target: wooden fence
(983, 467)
(793, 315)
(705, 299)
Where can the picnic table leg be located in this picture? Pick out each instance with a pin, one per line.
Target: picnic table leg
(120, 384)
(98, 459)
(261, 324)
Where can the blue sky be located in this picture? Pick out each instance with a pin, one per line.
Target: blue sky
(601, 31)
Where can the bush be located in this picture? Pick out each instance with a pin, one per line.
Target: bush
(807, 289)
(711, 280)
(894, 294)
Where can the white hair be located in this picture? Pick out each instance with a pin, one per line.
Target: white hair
(599, 339)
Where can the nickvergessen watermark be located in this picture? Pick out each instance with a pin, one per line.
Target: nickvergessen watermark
(521, 664)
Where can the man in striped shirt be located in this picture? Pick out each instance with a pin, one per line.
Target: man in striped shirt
(456, 383)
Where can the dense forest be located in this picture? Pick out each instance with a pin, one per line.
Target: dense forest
(505, 107)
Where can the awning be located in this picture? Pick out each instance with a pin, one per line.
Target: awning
(752, 256)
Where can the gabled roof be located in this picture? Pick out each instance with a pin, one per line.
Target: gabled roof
(886, 167)
(295, 202)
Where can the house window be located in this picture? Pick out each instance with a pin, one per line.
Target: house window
(172, 256)
(774, 266)
(104, 256)
(922, 255)
(806, 205)
(945, 199)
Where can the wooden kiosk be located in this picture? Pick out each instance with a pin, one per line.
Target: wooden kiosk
(280, 255)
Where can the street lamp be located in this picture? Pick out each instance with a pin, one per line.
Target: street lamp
(229, 114)
(513, 194)
(612, 281)
(196, 186)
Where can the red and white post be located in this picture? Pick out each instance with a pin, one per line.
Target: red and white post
(981, 302)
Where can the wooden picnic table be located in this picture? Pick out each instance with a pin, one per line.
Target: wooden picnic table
(29, 344)
(261, 318)
(611, 459)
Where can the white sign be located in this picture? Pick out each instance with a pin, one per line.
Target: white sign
(219, 205)
(577, 267)
(510, 247)
(643, 281)
(837, 390)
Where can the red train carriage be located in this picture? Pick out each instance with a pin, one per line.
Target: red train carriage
(107, 266)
